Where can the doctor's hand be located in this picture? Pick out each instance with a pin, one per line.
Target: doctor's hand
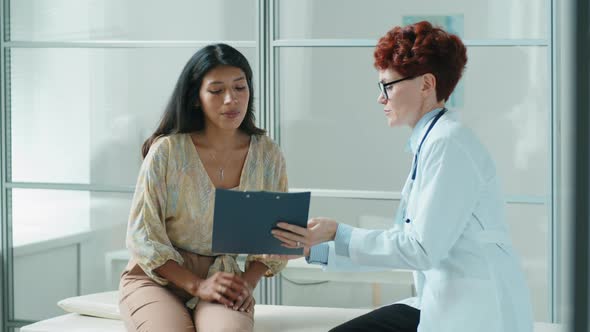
(318, 230)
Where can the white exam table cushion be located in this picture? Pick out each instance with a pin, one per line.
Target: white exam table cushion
(268, 318)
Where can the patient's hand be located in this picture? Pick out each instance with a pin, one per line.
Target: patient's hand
(225, 288)
(246, 304)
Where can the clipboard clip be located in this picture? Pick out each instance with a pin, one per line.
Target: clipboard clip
(276, 197)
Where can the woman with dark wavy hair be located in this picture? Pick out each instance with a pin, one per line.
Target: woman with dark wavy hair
(450, 226)
(206, 140)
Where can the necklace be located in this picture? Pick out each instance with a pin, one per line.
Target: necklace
(221, 166)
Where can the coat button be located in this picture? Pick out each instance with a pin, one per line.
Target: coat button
(407, 221)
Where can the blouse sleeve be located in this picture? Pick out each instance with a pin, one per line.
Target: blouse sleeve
(277, 174)
(147, 239)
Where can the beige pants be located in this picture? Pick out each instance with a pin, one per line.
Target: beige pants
(147, 306)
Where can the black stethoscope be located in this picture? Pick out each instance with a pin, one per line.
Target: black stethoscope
(436, 118)
(407, 191)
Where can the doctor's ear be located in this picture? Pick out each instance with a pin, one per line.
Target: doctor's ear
(428, 83)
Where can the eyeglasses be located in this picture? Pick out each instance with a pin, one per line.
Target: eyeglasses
(383, 86)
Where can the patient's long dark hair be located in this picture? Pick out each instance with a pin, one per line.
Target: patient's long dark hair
(183, 113)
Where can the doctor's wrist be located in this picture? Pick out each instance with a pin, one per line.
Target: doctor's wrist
(334, 230)
(306, 251)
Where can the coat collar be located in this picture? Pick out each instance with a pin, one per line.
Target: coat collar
(418, 130)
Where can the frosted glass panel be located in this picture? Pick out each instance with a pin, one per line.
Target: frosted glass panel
(530, 234)
(335, 135)
(350, 19)
(374, 214)
(60, 20)
(41, 215)
(333, 131)
(66, 236)
(507, 105)
(81, 115)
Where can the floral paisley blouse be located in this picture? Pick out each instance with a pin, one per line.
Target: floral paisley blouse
(174, 200)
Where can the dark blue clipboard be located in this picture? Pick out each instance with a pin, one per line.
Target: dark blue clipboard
(243, 220)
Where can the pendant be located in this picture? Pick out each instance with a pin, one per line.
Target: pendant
(221, 174)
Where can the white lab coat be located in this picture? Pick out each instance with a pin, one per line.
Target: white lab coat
(467, 274)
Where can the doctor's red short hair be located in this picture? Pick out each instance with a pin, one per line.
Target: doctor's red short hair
(420, 48)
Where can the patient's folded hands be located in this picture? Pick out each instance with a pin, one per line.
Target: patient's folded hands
(245, 303)
(225, 288)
